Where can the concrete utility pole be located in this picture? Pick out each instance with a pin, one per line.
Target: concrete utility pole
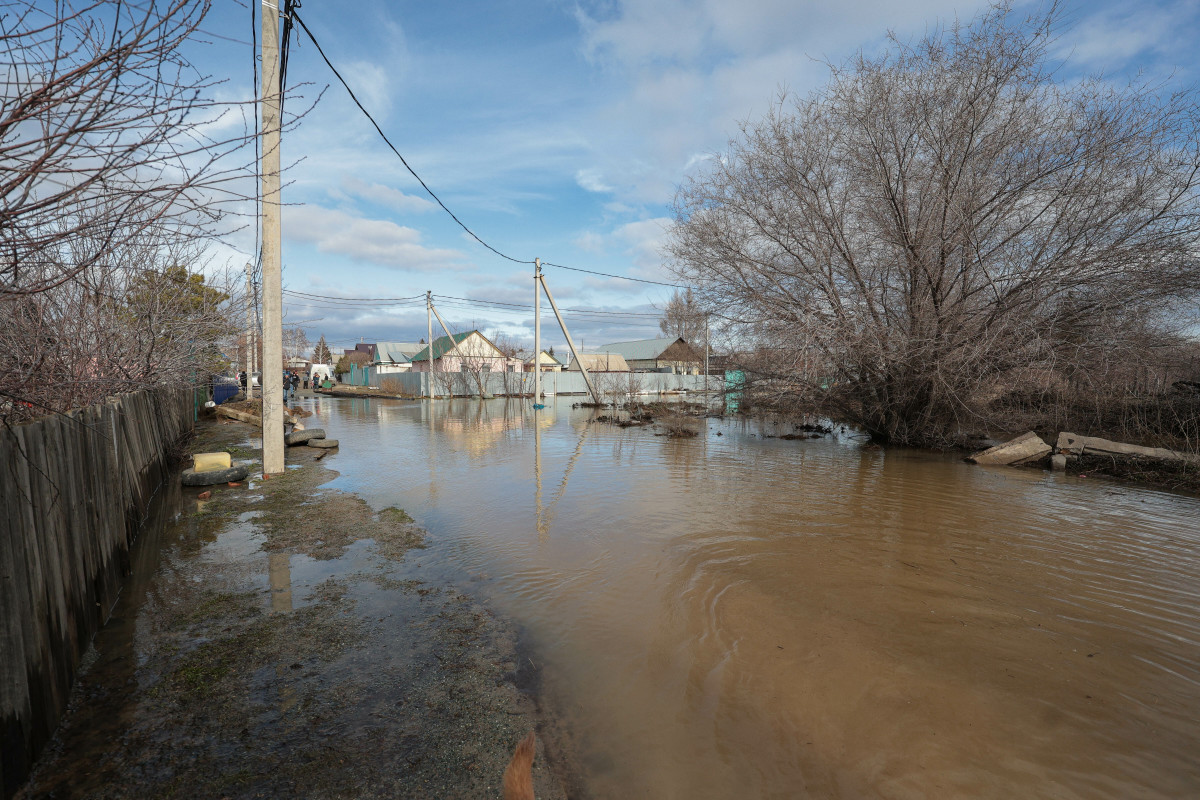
(537, 333)
(272, 366)
(429, 337)
(249, 331)
(571, 344)
(706, 352)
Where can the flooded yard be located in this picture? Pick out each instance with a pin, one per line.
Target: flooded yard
(735, 614)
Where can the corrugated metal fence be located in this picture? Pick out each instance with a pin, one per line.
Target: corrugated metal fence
(73, 489)
(463, 384)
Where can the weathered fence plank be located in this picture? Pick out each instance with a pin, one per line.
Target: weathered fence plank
(74, 489)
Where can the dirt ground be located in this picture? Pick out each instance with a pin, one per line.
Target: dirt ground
(283, 640)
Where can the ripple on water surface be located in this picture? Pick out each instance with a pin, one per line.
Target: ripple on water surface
(737, 615)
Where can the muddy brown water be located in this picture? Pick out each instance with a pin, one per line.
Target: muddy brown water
(736, 615)
(730, 615)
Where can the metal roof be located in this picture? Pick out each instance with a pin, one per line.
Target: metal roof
(399, 352)
(641, 350)
(441, 346)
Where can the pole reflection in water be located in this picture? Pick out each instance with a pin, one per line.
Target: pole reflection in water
(537, 468)
(279, 569)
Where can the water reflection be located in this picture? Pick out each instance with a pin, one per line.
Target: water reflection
(738, 615)
(545, 516)
(279, 571)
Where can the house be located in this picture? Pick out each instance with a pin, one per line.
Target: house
(389, 357)
(600, 362)
(547, 362)
(364, 347)
(657, 355)
(470, 351)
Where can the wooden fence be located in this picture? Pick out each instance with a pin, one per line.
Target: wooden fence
(73, 489)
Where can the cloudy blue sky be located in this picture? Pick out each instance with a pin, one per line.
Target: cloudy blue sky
(560, 130)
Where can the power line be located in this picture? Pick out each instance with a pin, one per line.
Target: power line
(573, 310)
(621, 277)
(310, 300)
(355, 299)
(296, 15)
(388, 142)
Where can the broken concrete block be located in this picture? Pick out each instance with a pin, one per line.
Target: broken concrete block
(1023, 449)
(1078, 445)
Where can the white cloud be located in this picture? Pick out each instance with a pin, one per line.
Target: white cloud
(1112, 38)
(694, 69)
(371, 240)
(387, 196)
(371, 84)
(643, 242)
(589, 242)
(637, 243)
(591, 179)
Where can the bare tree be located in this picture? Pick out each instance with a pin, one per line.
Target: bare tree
(112, 181)
(295, 343)
(321, 354)
(114, 329)
(683, 316)
(944, 223)
(99, 134)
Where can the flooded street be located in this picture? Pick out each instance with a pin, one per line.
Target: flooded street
(737, 615)
(730, 615)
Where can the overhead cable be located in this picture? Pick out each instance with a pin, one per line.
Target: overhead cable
(388, 142)
(356, 299)
(620, 277)
(294, 14)
(575, 310)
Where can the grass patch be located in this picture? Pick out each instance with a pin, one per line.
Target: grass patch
(397, 515)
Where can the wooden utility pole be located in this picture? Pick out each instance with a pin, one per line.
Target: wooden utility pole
(537, 333)
(272, 333)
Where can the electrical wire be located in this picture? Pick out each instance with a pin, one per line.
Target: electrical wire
(388, 142)
(620, 277)
(364, 299)
(549, 309)
(298, 299)
(293, 5)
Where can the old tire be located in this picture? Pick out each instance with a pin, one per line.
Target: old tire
(322, 443)
(304, 436)
(214, 476)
